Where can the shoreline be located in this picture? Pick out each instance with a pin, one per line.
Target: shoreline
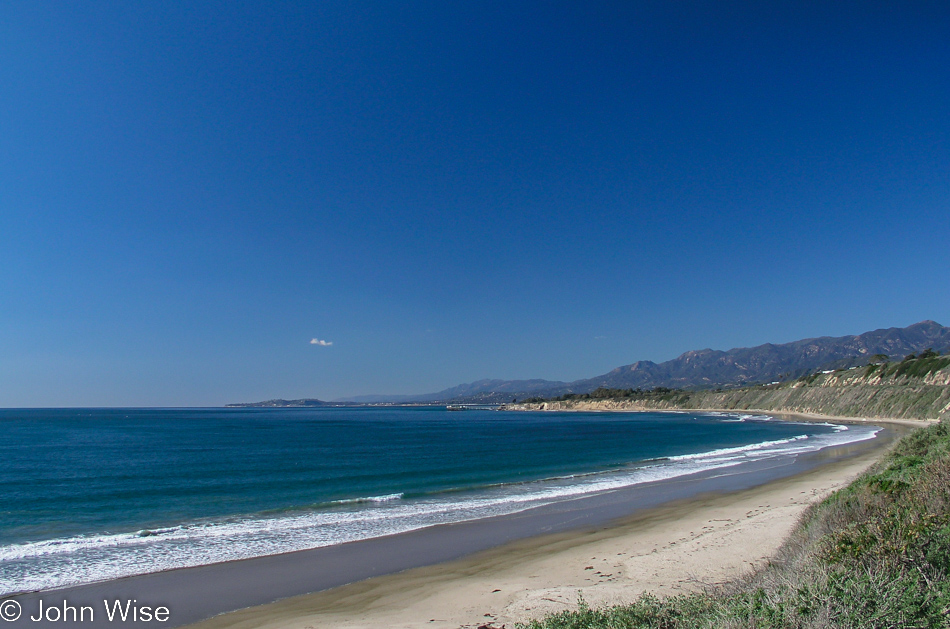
(195, 594)
(678, 546)
(796, 416)
(789, 415)
(816, 417)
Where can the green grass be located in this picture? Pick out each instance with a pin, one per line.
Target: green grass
(913, 367)
(921, 367)
(874, 554)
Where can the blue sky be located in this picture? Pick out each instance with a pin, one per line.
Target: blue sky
(448, 191)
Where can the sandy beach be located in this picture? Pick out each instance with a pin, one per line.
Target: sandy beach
(677, 547)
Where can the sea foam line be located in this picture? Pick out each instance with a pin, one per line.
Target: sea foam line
(737, 450)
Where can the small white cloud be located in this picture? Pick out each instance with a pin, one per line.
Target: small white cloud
(321, 343)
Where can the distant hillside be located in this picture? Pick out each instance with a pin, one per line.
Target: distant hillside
(707, 368)
(479, 391)
(305, 403)
(710, 369)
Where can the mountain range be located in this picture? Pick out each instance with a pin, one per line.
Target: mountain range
(708, 368)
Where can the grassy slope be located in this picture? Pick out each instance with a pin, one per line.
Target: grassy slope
(914, 389)
(875, 554)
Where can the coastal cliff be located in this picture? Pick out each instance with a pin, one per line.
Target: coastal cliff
(912, 389)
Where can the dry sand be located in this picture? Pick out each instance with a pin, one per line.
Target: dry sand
(672, 549)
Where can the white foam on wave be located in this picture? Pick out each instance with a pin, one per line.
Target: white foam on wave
(728, 452)
(356, 501)
(82, 559)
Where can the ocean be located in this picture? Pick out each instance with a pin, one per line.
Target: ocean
(94, 494)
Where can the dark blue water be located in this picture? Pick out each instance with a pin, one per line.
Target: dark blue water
(106, 486)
